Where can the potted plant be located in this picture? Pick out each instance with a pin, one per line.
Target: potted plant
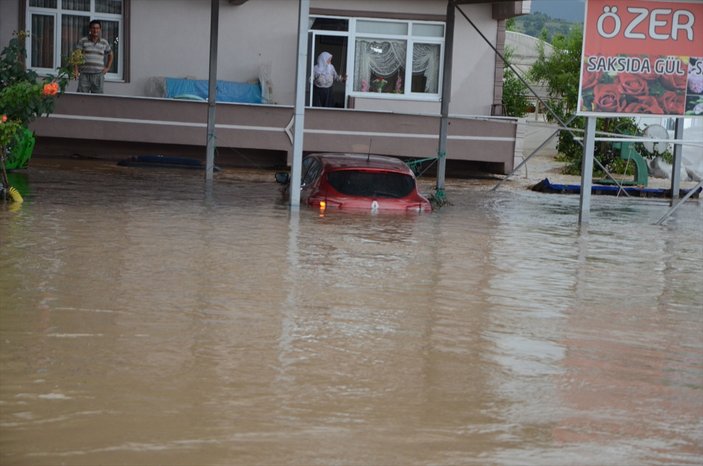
(379, 83)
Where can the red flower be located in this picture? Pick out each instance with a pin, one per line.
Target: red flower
(651, 76)
(3, 119)
(672, 103)
(645, 104)
(590, 79)
(673, 82)
(632, 84)
(50, 89)
(606, 98)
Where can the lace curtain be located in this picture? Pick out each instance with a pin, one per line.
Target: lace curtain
(426, 62)
(386, 58)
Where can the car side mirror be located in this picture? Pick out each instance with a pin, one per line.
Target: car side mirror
(282, 177)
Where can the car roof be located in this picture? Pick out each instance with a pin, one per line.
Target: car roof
(344, 161)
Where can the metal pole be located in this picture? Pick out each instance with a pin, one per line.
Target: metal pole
(212, 91)
(678, 156)
(299, 117)
(544, 143)
(587, 170)
(446, 97)
(675, 207)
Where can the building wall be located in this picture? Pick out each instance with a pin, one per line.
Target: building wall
(9, 13)
(171, 38)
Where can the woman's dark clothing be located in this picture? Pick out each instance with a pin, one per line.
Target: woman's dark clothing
(322, 97)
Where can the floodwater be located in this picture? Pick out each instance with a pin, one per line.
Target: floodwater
(147, 320)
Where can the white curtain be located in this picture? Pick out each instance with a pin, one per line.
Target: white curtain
(385, 58)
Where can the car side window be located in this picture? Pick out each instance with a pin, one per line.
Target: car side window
(305, 167)
(313, 169)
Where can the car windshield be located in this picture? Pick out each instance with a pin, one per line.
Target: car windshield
(371, 183)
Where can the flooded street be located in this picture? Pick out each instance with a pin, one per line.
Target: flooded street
(145, 320)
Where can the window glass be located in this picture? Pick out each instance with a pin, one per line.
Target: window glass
(43, 3)
(425, 77)
(72, 29)
(305, 167)
(382, 27)
(109, 6)
(330, 24)
(311, 173)
(42, 41)
(76, 5)
(371, 184)
(428, 30)
(111, 33)
(407, 64)
(54, 35)
(380, 66)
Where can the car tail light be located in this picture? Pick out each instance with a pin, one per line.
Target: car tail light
(324, 204)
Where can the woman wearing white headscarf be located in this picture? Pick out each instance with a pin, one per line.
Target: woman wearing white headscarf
(324, 76)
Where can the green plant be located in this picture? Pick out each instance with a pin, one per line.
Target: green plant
(514, 91)
(561, 72)
(24, 95)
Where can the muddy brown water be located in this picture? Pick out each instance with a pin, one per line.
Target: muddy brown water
(147, 320)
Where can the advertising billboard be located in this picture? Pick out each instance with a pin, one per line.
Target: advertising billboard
(642, 57)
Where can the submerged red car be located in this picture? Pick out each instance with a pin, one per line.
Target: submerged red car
(356, 181)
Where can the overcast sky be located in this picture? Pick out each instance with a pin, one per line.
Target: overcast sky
(570, 10)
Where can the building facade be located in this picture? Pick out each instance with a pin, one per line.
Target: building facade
(391, 51)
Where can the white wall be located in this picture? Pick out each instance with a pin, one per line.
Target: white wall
(172, 37)
(474, 62)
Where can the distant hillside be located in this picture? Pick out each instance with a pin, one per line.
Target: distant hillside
(569, 10)
(533, 24)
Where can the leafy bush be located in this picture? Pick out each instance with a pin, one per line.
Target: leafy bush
(514, 91)
(24, 96)
(561, 73)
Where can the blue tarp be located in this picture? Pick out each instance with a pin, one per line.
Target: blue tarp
(227, 91)
(545, 186)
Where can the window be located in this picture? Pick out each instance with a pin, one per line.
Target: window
(389, 58)
(56, 26)
(311, 168)
(397, 57)
(371, 184)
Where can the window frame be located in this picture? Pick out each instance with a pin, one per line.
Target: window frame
(121, 59)
(410, 40)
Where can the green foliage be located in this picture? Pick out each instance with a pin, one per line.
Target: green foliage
(514, 95)
(12, 62)
(538, 23)
(571, 151)
(24, 96)
(561, 72)
(515, 92)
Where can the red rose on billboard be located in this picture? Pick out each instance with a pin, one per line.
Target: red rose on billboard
(590, 79)
(606, 98)
(643, 104)
(673, 82)
(651, 76)
(672, 103)
(632, 84)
